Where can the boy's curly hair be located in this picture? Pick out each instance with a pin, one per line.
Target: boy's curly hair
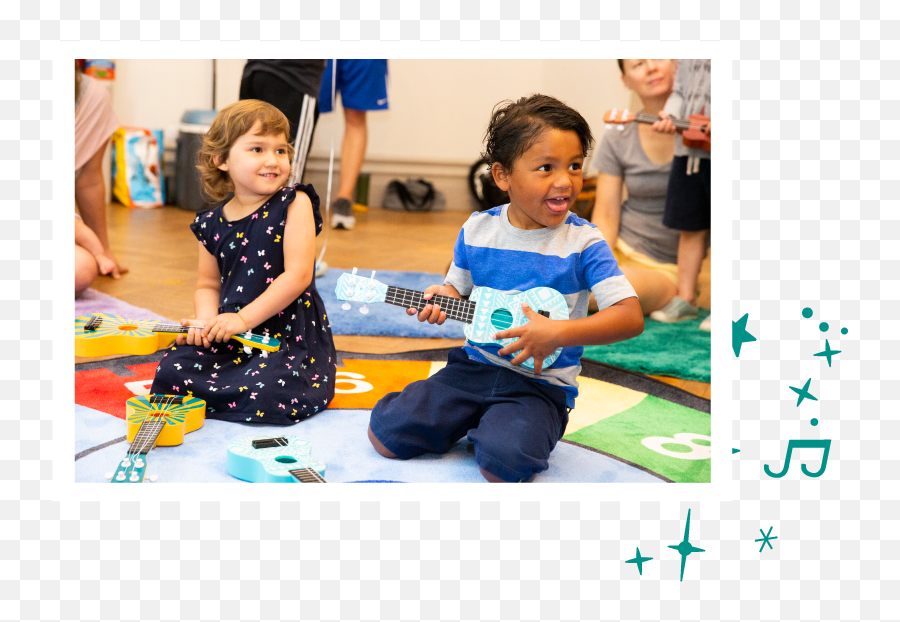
(231, 123)
(515, 126)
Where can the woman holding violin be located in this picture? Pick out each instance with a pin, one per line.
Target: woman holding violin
(640, 159)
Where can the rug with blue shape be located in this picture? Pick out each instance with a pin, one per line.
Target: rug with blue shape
(625, 428)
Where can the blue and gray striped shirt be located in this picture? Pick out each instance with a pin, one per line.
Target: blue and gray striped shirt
(572, 258)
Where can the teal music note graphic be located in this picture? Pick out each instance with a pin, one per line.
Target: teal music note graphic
(824, 444)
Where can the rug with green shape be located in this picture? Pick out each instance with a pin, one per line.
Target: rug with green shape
(656, 435)
(680, 350)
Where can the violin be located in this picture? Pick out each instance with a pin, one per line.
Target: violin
(691, 128)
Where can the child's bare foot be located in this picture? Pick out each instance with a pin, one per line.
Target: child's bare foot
(493, 479)
(379, 447)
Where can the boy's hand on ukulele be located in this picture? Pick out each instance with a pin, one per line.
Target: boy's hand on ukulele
(431, 313)
(537, 339)
(664, 124)
(225, 326)
(194, 336)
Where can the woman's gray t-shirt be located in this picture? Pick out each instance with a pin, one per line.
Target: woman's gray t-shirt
(641, 224)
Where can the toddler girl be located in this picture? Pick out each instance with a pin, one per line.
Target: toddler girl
(257, 252)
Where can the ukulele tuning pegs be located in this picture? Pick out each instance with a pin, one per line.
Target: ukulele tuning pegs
(364, 309)
(108, 475)
(620, 127)
(264, 354)
(248, 350)
(608, 126)
(153, 478)
(346, 306)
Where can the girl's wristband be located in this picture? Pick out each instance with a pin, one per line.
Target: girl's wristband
(246, 326)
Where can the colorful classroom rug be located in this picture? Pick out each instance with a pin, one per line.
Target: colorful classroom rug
(625, 428)
(382, 319)
(680, 350)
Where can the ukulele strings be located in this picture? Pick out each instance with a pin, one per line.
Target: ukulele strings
(145, 439)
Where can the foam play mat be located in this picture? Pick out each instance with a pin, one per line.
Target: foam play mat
(625, 427)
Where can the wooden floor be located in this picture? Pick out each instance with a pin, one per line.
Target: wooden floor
(161, 253)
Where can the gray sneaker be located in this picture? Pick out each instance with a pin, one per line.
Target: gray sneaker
(321, 268)
(342, 215)
(677, 310)
(707, 323)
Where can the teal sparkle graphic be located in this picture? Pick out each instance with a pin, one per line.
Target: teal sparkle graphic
(804, 393)
(765, 539)
(684, 547)
(734, 450)
(739, 334)
(827, 352)
(637, 559)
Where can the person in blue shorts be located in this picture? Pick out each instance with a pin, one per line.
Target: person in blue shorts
(362, 83)
(536, 147)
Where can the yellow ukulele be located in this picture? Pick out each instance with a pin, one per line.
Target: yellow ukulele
(101, 334)
(155, 420)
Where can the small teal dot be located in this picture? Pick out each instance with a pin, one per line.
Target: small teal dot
(844, 331)
(807, 313)
(823, 326)
(814, 421)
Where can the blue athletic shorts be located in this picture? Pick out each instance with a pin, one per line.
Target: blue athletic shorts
(362, 83)
(513, 421)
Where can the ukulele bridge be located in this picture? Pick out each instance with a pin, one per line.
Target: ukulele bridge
(94, 324)
(266, 443)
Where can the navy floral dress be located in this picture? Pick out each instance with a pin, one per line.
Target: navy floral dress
(285, 386)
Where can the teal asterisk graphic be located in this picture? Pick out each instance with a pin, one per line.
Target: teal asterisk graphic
(804, 393)
(827, 352)
(637, 559)
(765, 539)
(739, 334)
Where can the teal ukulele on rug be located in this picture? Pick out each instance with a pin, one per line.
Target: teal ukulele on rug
(486, 312)
(274, 460)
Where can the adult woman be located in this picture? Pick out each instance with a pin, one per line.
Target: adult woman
(95, 122)
(640, 159)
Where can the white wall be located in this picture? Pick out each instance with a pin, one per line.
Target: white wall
(438, 108)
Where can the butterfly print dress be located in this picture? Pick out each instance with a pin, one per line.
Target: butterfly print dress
(286, 386)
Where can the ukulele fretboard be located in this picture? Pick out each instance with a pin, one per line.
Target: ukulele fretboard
(146, 435)
(308, 476)
(455, 308)
(681, 124)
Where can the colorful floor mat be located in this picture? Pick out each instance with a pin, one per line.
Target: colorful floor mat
(680, 350)
(625, 427)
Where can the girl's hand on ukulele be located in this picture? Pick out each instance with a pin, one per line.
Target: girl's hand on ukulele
(664, 124)
(225, 326)
(194, 336)
(431, 313)
(536, 339)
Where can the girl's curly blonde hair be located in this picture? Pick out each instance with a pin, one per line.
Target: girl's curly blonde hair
(231, 123)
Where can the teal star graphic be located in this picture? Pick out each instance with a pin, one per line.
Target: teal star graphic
(684, 547)
(765, 539)
(827, 352)
(639, 560)
(739, 334)
(803, 393)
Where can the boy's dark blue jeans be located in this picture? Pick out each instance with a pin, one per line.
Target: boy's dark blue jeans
(513, 421)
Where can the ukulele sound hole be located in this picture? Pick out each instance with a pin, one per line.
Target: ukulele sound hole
(127, 327)
(501, 319)
(285, 459)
